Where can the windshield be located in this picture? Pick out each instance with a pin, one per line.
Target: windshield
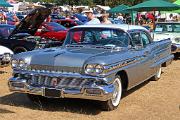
(97, 36)
(167, 28)
(55, 26)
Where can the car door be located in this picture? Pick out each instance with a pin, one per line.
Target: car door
(143, 55)
(148, 53)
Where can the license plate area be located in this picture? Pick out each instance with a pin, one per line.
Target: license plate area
(52, 93)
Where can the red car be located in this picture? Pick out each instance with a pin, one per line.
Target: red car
(68, 23)
(52, 30)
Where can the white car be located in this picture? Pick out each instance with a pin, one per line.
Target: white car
(169, 30)
(5, 56)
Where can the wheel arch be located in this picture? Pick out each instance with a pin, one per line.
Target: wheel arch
(124, 79)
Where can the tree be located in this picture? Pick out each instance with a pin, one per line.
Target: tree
(111, 3)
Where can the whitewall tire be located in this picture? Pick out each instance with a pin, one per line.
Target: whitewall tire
(113, 103)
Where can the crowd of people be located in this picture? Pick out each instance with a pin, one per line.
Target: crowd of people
(145, 19)
(6, 16)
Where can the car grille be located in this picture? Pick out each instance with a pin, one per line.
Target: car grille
(46, 81)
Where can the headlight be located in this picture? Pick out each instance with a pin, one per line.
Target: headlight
(94, 69)
(21, 63)
(89, 68)
(18, 63)
(99, 69)
(14, 63)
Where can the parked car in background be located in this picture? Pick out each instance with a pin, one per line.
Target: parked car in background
(52, 30)
(21, 38)
(68, 23)
(96, 62)
(81, 17)
(5, 56)
(169, 30)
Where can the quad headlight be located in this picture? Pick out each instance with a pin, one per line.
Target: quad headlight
(14, 63)
(18, 63)
(22, 63)
(94, 69)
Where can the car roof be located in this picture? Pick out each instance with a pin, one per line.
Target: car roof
(124, 27)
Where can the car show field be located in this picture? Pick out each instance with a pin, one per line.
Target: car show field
(155, 100)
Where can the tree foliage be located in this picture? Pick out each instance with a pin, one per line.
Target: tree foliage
(110, 3)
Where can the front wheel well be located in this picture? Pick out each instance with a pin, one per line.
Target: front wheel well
(124, 79)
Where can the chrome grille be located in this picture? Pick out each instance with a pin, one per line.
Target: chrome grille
(46, 81)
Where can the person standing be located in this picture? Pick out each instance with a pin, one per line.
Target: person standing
(105, 19)
(91, 17)
(2, 18)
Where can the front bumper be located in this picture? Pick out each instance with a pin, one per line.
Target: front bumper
(92, 91)
(175, 48)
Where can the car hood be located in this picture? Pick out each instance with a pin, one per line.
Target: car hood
(32, 21)
(69, 59)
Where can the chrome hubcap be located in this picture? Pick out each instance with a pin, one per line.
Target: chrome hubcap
(117, 92)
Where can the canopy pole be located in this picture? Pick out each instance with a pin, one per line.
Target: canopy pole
(132, 17)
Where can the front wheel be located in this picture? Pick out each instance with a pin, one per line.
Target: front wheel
(113, 103)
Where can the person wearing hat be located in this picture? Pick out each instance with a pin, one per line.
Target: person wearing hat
(92, 19)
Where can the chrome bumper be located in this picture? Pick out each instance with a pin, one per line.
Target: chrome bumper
(175, 48)
(92, 92)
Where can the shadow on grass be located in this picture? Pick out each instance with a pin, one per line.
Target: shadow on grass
(126, 93)
(66, 105)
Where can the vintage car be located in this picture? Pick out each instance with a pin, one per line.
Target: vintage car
(21, 38)
(96, 62)
(169, 30)
(5, 56)
(68, 23)
(52, 30)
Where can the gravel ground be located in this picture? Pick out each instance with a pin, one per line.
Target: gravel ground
(155, 100)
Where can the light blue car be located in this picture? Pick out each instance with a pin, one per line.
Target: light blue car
(96, 62)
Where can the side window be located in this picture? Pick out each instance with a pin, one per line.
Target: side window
(136, 38)
(145, 39)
